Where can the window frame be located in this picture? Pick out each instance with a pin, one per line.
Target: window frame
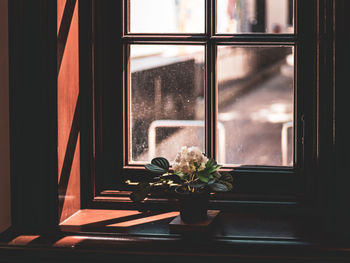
(255, 186)
(33, 117)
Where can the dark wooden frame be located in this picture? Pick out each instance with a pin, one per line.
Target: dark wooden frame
(86, 89)
(33, 117)
(254, 185)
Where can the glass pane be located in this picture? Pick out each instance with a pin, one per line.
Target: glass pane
(167, 16)
(167, 100)
(255, 105)
(255, 16)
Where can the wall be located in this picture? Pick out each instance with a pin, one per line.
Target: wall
(5, 218)
(67, 107)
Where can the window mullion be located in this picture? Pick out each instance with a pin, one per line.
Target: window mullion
(210, 97)
(210, 17)
(210, 94)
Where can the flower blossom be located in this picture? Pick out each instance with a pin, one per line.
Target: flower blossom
(187, 157)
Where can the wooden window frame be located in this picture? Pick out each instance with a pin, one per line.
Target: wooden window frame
(256, 186)
(33, 116)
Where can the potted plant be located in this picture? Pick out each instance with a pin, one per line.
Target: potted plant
(192, 176)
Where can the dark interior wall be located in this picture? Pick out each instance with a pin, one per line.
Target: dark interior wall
(33, 113)
(5, 217)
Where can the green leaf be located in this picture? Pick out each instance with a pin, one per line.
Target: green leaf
(161, 162)
(218, 187)
(203, 177)
(141, 191)
(211, 166)
(211, 181)
(228, 185)
(217, 175)
(158, 165)
(227, 177)
(202, 173)
(213, 169)
(210, 163)
(154, 168)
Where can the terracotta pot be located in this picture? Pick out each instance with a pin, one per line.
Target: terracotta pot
(193, 206)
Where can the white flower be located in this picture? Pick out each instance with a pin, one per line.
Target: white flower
(187, 157)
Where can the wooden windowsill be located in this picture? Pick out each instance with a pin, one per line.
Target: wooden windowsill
(133, 233)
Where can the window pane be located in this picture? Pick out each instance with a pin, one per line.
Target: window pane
(167, 100)
(167, 16)
(255, 16)
(255, 105)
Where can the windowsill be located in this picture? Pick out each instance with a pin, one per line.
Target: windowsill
(227, 225)
(121, 232)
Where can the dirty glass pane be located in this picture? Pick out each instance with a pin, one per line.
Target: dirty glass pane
(255, 105)
(252, 16)
(166, 100)
(167, 16)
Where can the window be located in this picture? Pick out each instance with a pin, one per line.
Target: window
(321, 144)
(204, 87)
(235, 78)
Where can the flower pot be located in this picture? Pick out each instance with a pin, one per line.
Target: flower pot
(193, 206)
